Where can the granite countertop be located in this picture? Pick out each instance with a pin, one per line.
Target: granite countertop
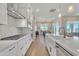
(15, 37)
(70, 44)
(6, 42)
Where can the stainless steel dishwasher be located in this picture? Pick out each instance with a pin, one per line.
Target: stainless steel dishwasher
(60, 51)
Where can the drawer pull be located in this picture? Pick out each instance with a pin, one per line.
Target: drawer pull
(11, 48)
(21, 48)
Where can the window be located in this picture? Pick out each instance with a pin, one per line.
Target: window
(68, 27)
(75, 27)
(44, 27)
(55, 29)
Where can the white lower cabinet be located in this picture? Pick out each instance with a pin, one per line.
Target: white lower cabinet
(10, 51)
(19, 48)
(23, 45)
(50, 44)
(26, 42)
(60, 51)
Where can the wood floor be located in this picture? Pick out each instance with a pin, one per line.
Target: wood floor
(37, 48)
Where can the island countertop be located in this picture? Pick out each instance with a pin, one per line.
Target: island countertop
(71, 44)
(9, 41)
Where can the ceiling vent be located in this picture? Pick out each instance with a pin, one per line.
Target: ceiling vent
(52, 10)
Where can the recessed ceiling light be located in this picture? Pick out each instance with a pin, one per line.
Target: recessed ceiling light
(71, 8)
(59, 15)
(37, 10)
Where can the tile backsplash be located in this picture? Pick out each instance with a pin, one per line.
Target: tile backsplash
(10, 29)
(6, 31)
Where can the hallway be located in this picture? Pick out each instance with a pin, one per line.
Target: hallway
(38, 48)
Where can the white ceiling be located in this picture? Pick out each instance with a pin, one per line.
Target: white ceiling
(44, 10)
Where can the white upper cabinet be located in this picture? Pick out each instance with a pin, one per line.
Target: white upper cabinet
(3, 13)
(16, 15)
(22, 8)
(11, 6)
(12, 10)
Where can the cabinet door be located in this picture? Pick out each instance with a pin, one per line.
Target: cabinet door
(25, 46)
(22, 9)
(50, 44)
(12, 6)
(27, 42)
(10, 51)
(3, 13)
(13, 50)
(20, 46)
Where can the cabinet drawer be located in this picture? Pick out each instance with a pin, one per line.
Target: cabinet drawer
(21, 47)
(20, 44)
(10, 51)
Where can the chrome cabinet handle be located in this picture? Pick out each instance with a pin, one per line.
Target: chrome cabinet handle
(21, 48)
(11, 48)
(57, 46)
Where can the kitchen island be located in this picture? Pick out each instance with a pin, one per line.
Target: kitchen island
(70, 45)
